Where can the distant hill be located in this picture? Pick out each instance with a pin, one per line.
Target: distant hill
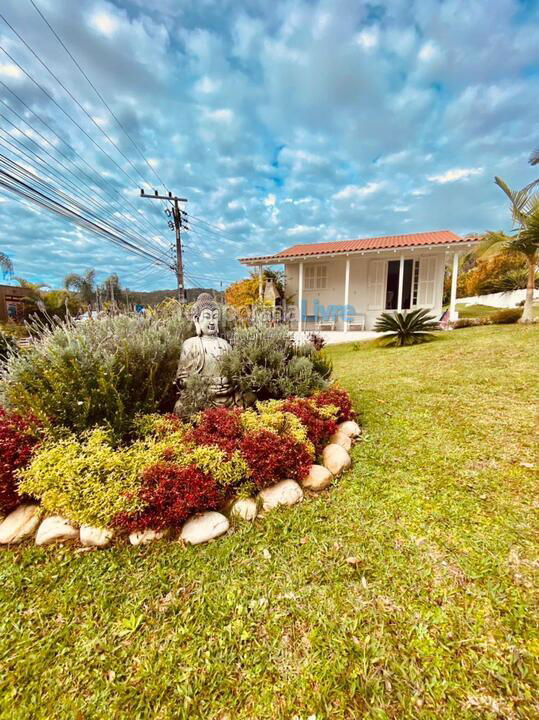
(154, 297)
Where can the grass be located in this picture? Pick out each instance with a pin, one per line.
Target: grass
(479, 311)
(407, 591)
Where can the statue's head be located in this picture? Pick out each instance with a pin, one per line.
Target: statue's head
(205, 314)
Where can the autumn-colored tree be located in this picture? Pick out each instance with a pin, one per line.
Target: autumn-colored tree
(500, 273)
(243, 293)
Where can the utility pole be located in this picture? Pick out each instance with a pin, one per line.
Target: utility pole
(177, 225)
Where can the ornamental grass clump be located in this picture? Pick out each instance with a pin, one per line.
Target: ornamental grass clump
(100, 372)
(19, 439)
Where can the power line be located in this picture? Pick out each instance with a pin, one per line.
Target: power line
(101, 130)
(24, 189)
(97, 181)
(44, 185)
(100, 96)
(36, 178)
(213, 232)
(66, 114)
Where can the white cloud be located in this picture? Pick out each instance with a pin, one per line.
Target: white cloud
(104, 23)
(301, 230)
(206, 85)
(270, 200)
(356, 192)
(10, 70)
(368, 38)
(429, 51)
(223, 115)
(455, 174)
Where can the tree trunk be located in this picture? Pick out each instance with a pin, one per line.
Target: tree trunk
(527, 313)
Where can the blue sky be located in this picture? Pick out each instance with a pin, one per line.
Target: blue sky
(283, 122)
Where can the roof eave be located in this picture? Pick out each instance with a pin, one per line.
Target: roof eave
(281, 260)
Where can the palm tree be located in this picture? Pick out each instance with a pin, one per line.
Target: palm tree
(6, 266)
(83, 285)
(534, 157)
(525, 238)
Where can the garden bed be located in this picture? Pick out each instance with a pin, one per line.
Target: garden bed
(91, 452)
(176, 480)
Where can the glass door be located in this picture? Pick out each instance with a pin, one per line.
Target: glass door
(409, 284)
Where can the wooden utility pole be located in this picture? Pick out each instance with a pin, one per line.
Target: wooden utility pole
(176, 213)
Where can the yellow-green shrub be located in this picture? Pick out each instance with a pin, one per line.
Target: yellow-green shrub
(88, 480)
(212, 461)
(281, 423)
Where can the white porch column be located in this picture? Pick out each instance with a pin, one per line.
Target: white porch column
(454, 276)
(300, 298)
(346, 294)
(401, 281)
(260, 278)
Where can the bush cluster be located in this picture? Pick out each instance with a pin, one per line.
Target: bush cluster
(96, 373)
(108, 451)
(168, 470)
(506, 317)
(169, 494)
(265, 362)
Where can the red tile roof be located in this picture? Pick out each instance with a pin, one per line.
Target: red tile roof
(438, 237)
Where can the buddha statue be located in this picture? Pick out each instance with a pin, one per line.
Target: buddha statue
(200, 354)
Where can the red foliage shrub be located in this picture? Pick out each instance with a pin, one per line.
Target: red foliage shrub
(338, 397)
(319, 429)
(171, 494)
(220, 427)
(18, 440)
(272, 458)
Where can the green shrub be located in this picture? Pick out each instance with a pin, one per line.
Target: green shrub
(88, 481)
(8, 346)
(506, 317)
(194, 396)
(100, 372)
(265, 362)
(407, 328)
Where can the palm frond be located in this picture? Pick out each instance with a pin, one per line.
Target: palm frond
(6, 265)
(534, 157)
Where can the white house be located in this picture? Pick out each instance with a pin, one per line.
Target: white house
(345, 285)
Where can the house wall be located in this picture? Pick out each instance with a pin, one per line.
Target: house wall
(11, 303)
(360, 293)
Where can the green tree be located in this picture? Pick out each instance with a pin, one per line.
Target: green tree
(83, 285)
(44, 302)
(6, 266)
(524, 239)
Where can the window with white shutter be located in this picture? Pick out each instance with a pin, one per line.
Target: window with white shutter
(427, 281)
(315, 277)
(376, 284)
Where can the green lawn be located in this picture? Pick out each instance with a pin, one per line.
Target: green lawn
(405, 592)
(479, 311)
